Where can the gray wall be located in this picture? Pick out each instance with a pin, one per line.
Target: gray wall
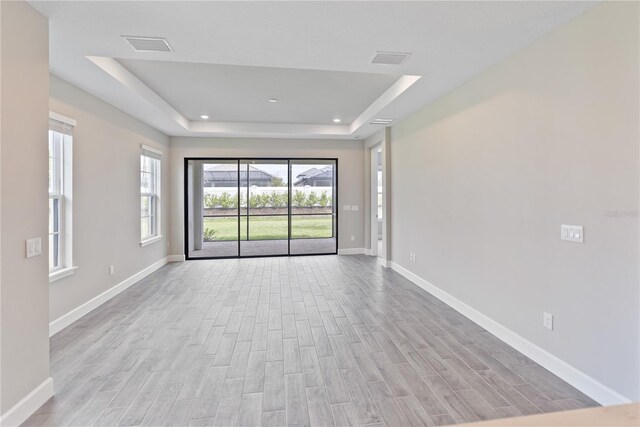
(106, 196)
(350, 175)
(484, 177)
(24, 287)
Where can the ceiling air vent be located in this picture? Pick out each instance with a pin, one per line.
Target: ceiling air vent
(148, 44)
(390, 58)
(381, 121)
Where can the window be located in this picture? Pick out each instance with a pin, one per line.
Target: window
(149, 195)
(60, 200)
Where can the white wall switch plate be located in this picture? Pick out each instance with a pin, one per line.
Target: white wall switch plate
(33, 247)
(572, 233)
(353, 238)
(346, 208)
(547, 320)
(354, 207)
(112, 270)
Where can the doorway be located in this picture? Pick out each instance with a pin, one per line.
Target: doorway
(256, 207)
(378, 208)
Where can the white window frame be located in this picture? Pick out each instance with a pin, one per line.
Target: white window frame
(154, 194)
(61, 192)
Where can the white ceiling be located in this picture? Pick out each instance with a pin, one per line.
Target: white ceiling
(238, 93)
(321, 42)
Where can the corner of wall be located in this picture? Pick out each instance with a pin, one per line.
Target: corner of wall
(22, 410)
(24, 105)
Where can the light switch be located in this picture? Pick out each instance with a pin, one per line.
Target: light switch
(354, 207)
(572, 233)
(547, 320)
(346, 208)
(34, 247)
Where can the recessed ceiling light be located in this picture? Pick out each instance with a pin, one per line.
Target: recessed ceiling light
(337, 120)
(273, 100)
(204, 117)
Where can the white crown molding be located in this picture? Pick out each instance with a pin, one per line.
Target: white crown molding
(397, 89)
(126, 78)
(267, 129)
(246, 129)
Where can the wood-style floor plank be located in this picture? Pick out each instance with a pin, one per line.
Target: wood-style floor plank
(305, 341)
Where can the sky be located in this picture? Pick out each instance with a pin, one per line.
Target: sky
(280, 169)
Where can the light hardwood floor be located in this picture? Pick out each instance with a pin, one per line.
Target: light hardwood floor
(627, 415)
(321, 341)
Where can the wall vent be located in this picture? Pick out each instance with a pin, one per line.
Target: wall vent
(390, 58)
(148, 44)
(381, 121)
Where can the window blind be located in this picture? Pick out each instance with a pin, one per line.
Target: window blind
(151, 152)
(61, 124)
(60, 127)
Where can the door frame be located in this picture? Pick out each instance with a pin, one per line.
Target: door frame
(290, 186)
(374, 201)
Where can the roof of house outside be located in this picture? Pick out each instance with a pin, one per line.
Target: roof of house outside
(229, 172)
(314, 174)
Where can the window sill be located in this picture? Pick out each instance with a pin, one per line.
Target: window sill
(150, 241)
(59, 274)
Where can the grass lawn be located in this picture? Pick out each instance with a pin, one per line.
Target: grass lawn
(270, 227)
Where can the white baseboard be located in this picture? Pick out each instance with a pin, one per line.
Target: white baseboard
(384, 262)
(583, 382)
(351, 251)
(75, 314)
(22, 410)
(176, 258)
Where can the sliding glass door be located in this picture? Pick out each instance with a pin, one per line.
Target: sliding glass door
(264, 220)
(313, 211)
(213, 213)
(260, 207)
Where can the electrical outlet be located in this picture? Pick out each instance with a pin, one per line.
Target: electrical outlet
(112, 270)
(353, 238)
(547, 320)
(572, 233)
(412, 257)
